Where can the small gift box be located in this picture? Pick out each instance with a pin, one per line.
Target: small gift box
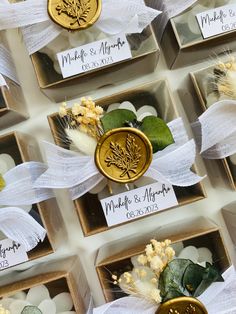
(94, 206)
(12, 103)
(196, 239)
(52, 287)
(196, 29)
(16, 150)
(89, 58)
(214, 86)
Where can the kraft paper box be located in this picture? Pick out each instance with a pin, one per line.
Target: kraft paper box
(157, 94)
(65, 275)
(203, 85)
(144, 60)
(229, 214)
(115, 257)
(12, 102)
(22, 148)
(182, 45)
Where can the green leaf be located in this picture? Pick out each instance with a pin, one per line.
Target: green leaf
(117, 118)
(210, 275)
(193, 277)
(158, 133)
(30, 309)
(2, 183)
(170, 282)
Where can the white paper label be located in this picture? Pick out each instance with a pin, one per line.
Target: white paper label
(137, 203)
(94, 55)
(217, 21)
(11, 253)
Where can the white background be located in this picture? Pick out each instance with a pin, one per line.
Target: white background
(217, 187)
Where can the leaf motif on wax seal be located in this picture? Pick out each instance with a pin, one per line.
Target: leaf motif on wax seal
(126, 159)
(30, 309)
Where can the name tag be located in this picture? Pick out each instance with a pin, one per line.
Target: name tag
(138, 203)
(217, 21)
(93, 56)
(11, 254)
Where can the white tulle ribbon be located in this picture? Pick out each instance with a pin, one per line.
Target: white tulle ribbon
(38, 29)
(15, 223)
(215, 130)
(170, 9)
(67, 169)
(219, 298)
(7, 67)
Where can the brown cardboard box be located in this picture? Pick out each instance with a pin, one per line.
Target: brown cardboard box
(24, 148)
(179, 54)
(199, 83)
(199, 232)
(58, 89)
(12, 102)
(156, 93)
(61, 276)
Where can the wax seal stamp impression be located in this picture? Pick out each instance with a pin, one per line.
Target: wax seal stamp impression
(74, 14)
(182, 305)
(123, 155)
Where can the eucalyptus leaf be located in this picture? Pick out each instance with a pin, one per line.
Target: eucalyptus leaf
(193, 277)
(210, 275)
(117, 119)
(30, 309)
(2, 183)
(170, 281)
(158, 132)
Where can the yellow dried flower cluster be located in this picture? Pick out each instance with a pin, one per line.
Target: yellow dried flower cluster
(84, 115)
(158, 255)
(143, 280)
(226, 82)
(3, 311)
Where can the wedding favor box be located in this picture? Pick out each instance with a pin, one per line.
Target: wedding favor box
(156, 94)
(12, 102)
(23, 148)
(115, 257)
(63, 275)
(143, 61)
(204, 87)
(182, 41)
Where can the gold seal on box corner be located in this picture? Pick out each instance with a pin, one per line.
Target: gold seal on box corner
(182, 305)
(123, 155)
(74, 14)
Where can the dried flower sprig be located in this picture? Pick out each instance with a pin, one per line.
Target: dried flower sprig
(225, 74)
(84, 116)
(3, 311)
(143, 280)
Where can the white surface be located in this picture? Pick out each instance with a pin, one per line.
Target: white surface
(217, 187)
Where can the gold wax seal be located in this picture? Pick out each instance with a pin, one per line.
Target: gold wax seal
(182, 305)
(74, 14)
(123, 155)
